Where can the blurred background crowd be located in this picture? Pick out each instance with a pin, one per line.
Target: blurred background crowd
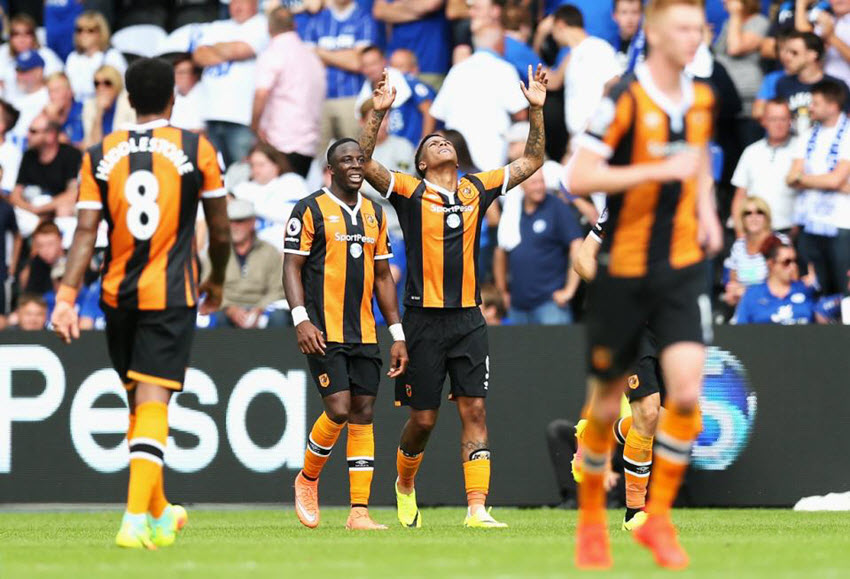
(273, 82)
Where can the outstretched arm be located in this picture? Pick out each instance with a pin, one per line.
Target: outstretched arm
(382, 99)
(535, 146)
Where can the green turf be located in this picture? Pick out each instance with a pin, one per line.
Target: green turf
(270, 543)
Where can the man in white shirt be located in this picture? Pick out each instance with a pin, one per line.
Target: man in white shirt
(820, 170)
(834, 29)
(763, 166)
(479, 98)
(228, 51)
(32, 96)
(592, 65)
(188, 100)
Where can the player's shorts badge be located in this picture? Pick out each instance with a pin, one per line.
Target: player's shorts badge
(634, 381)
(408, 389)
(324, 381)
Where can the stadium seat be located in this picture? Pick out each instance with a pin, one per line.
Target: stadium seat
(139, 40)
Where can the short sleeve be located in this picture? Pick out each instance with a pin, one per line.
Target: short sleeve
(402, 184)
(268, 66)
(383, 247)
(613, 118)
(496, 179)
(743, 313)
(299, 231)
(758, 24)
(742, 171)
(88, 196)
(570, 229)
(212, 186)
(256, 34)
(421, 91)
(767, 90)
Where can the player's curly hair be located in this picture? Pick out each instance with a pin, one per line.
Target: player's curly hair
(150, 85)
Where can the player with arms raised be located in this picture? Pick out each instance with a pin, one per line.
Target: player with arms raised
(146, 181)
(441, 216)
(336, 253)
(647, 148)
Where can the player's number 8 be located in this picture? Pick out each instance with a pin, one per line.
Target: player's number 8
(141, 191)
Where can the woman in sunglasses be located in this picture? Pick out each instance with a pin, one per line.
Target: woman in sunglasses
(108, 109)
(22, 38)
(746, 264)
(91, 51)
(782, 298)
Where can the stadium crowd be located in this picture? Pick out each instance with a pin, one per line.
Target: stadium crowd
(272, 83)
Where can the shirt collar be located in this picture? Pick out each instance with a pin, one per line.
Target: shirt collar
(156, 124)
(674, 110)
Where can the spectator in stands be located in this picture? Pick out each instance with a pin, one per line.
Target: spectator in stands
(805, 62)
(228, 50)
(597, 16)
(404, 61)
(781, 298)
(419, 26)
(786, 21)
(46, 253)
(8, 255)
(338, 34)
(532, 263)
(835, 30)
(47, 179)
(31, 95)
(745, 264)
(273, 191)
(492, 305)
(820, 170)
(490, 14)
(410, 116)
(628, 15)
(91, 51)
(479, 98)
(252, 281)
(767, 91)
(762, 169)
(187, 112)
(22, 39)
(31, 315)
(738, 45)
(63, 110)
(290, 91)
(592, 65)
(109, 108)
(59, 19)
(457, 13)
(10, 153)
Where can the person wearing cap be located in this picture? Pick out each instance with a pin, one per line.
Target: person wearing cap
(31, 95)
(252, 281)
(22, 37)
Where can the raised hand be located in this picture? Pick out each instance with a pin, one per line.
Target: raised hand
(535, 93)
(383, 95)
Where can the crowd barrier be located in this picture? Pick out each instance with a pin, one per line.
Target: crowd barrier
(776, 412)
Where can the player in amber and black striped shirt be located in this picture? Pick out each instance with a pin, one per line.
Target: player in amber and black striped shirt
(647, 148)
(336, 258)
(441, 215)
(146, 181)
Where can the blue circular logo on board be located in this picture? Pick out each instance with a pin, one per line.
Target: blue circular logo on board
(728, 406)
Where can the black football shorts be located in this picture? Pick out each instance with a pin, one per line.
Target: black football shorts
(352, 367)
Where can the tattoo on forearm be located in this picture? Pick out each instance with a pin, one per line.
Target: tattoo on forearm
(370, 133)
(535, 148)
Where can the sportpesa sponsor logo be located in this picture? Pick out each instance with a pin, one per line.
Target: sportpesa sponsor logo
(452, 209)
(728, 406)
(144, 145)
(358, 237)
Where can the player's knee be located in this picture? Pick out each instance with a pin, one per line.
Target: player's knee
(338, 413)
(473, 411)
(646, 418)
(364, 415)
(424, 421)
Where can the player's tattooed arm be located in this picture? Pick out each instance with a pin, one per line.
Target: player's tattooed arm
(535, 145)
(382, 99)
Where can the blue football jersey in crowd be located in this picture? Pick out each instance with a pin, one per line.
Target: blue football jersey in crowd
(430, 40)
(356, 30)
(59, 19)
(759, 306)
(598, 17)
(405, 120)
(520, 55)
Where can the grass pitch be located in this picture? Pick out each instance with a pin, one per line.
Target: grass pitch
(271, 543)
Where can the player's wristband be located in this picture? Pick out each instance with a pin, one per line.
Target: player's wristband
(67, 294)
(397, 332)
(299, 314)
